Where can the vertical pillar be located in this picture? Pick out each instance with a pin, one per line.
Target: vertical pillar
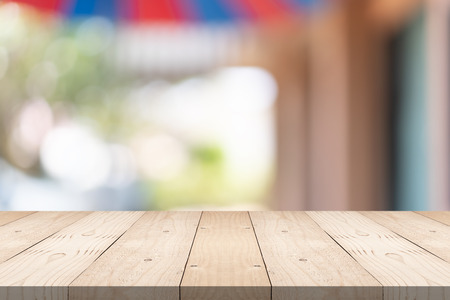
(328, 112)
(437, 56)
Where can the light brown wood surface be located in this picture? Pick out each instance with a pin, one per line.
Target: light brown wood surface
(406, 270)
(302, 259)
(225, 261)
(10, 216)
(429, 234)
(224, 255)
(151, 255)
(25, 232)
(45, 270)
(440, 216)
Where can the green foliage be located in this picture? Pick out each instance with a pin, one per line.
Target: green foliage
(51, 61)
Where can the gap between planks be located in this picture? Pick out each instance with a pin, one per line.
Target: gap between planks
(362, 231)
(189, 254)
(262, 256)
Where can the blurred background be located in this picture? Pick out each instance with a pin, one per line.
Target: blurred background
(224, 104)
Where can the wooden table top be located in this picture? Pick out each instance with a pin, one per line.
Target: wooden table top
(224, 255)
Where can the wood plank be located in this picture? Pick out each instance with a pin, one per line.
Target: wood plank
(45, 270)
(147, 262)
(25, 232)
(10, 216)
(225, 261)
(427, 233)
(302, 259)
(405, 270)
(440, 216)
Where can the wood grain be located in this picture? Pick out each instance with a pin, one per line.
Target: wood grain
(302, 259)
(440, 216)
(225, 255)
(27, 231)
(405, 270)
(45, 270)
(10, 216)
(147, 262)
(225, 261)
(427, 233)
